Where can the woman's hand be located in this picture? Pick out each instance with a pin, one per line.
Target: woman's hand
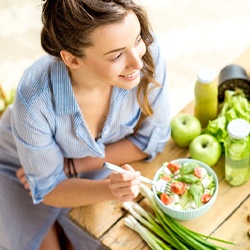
(21, 176)
(125, 186)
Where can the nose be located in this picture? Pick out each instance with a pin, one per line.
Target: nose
(135, 61)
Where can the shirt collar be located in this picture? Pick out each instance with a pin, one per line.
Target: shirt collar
(65, 102)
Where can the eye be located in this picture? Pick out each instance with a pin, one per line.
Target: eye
(116, 58)
(138, 40)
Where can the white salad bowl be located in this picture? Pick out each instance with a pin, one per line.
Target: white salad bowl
(193, 213)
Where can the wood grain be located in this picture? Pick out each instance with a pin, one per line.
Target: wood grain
(227, 219)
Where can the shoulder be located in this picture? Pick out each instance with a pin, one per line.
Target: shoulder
(36, 78)
(156, 50)
(159, 61)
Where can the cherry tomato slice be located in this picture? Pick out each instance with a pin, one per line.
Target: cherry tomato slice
(205, 198)
(178, 187)
(173, 167)
(166, 178)
(198, 172)
(166, 199)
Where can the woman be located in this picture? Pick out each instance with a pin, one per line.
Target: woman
(99, 95)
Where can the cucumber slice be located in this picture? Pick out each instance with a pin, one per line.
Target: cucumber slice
(237, 150)
(238, 176)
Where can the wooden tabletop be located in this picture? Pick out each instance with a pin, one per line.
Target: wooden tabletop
(227, 219)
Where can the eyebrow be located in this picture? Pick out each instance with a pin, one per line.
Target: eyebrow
(119, 49)
(115, 50)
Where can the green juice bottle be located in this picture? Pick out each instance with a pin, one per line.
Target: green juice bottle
(206, 96)
(237, 152)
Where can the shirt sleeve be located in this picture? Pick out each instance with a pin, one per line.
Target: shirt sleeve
(32, 128)
(155, 131)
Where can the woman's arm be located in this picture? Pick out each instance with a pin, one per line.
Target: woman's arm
(76, 192)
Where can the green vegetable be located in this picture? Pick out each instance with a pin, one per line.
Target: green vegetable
(147, 220)
(187, 168)
(161, 231)
(235, 106)
(196, 191)
(189, 178)
(185, 199)
(150, 238)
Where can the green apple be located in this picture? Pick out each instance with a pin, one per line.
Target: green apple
(205, 148)
(184, 128)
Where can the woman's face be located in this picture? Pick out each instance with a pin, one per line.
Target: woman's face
(115, 57)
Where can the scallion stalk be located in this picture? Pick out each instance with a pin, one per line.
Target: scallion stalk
(177, 231)
(147, 220)
(152, 241)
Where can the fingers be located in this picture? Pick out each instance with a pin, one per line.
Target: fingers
(21, 176)
(125, 187)
(128, 167)
(128, 194)
(20, 173)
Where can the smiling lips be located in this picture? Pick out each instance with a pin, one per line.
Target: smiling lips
(131, 76)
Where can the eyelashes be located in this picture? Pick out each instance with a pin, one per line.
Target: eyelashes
(139, 39)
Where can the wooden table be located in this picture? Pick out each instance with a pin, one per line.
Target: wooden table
(227, 219)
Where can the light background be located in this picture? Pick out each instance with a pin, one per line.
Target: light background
(193, 34)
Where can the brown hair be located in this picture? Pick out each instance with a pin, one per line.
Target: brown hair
(67, 25)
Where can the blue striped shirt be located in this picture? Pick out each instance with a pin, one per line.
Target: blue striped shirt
(47, 126)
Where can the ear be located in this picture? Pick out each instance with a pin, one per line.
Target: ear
(70, 60)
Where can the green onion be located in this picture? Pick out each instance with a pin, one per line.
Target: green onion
(152, 241)
(147, 220)
(160, 231)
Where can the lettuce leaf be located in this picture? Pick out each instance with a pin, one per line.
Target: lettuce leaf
(235, 106)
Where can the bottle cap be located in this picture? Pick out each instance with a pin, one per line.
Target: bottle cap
(238, 128)
(206, 75)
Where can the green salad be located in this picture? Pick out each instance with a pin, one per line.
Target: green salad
(190, 185)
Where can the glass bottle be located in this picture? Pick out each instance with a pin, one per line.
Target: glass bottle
(206, 96)
(237, 152)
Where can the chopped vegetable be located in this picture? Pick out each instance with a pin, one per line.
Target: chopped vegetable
(196, 192)
(187, 185)
(178, 187)
(161, 231)
(205, 198)
(166, 199)
(173, 167)
(198, 172)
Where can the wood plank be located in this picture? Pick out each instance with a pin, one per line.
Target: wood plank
(236, 228)
(121, 237)
(97, 218)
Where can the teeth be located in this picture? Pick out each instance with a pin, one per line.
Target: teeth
(129, 76)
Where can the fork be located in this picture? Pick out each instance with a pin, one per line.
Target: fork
(161, 185)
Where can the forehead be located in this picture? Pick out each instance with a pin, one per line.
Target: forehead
(116, 35)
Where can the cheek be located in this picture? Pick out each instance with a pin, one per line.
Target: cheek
(108, 71)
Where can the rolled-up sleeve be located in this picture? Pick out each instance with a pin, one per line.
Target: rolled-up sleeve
(155, 131)
(38, 152)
